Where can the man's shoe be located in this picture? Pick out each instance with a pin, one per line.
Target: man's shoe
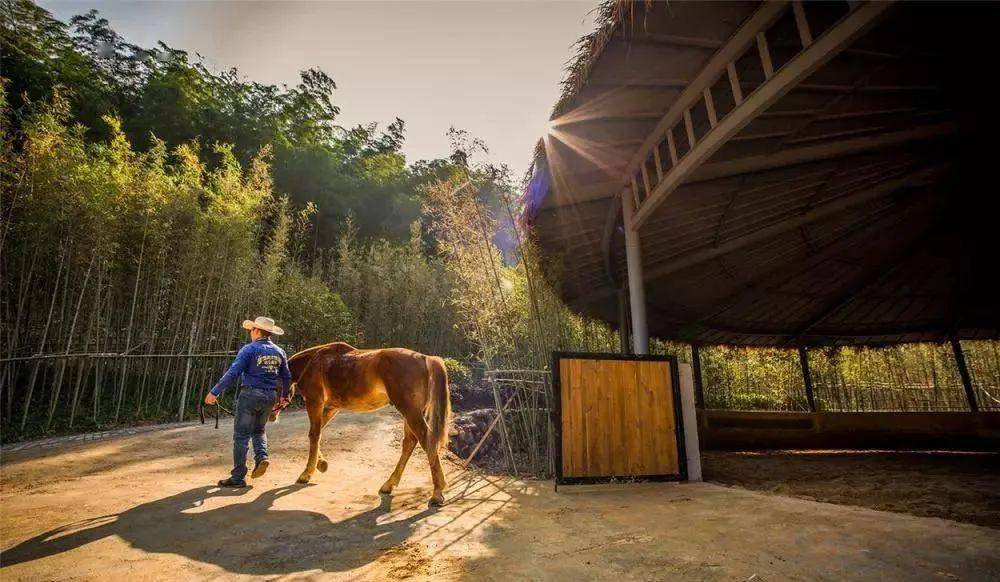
(232, 483)
(260, 468)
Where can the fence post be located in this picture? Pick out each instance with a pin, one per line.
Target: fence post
(699, 394)
(187, 376)
(807, 382)
(963, 371)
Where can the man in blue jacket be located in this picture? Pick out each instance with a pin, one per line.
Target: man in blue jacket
(264, 368)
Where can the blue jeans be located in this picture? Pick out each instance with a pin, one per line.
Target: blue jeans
(252, 409)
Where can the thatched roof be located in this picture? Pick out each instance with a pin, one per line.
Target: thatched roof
(830, 196)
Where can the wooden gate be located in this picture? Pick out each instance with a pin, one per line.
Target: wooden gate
(617, 417)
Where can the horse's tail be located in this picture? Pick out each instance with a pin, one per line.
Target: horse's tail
(440, 401)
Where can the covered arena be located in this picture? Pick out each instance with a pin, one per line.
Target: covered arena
(782, 174)
(795, 175)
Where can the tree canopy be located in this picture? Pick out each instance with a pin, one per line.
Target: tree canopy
(165, 94)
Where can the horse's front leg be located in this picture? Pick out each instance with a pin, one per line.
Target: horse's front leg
(328, 414)
(316, 424)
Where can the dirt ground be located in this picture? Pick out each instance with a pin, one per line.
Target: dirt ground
(964, 486)
(142, 506)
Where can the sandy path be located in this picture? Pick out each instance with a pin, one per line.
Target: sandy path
(141, 506)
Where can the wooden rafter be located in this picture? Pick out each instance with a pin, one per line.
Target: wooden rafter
(869, 278)
(824, 48)
(727, 54)
(828, 209)
(714, 252)
(815, 153)
(770, 279)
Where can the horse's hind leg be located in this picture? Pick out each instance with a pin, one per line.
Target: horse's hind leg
(409, 442)
(418, 425)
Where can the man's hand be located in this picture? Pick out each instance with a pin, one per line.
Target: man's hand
(210, 399)
(279, 404)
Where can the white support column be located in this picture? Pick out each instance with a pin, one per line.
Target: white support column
(636, 288)
(692, 448)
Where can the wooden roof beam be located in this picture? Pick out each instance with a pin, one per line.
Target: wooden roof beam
(848, 89)
(818, 212)
(779, 228)
(802, 155)
(870, 277)
(779, 337)
(766, 15)
(821, 51)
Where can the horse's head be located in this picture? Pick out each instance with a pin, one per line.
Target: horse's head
(299, 366)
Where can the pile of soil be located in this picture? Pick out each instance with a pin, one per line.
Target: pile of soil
(471, 395)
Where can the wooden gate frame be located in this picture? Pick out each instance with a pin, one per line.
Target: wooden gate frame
(557, 418)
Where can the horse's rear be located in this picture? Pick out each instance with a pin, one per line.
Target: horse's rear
(338, 376)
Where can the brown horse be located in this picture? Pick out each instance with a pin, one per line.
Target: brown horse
(338, 376)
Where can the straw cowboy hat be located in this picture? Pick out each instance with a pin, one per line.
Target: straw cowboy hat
(264, 323)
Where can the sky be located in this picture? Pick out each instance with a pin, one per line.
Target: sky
(491, 68)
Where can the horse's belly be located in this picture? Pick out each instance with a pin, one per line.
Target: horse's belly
(369, 402)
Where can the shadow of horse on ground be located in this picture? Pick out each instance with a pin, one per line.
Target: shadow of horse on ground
(244, 538)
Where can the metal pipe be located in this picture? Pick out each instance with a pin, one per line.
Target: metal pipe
(623, 321)
(636, 290)
(963, 371)
(699, 391)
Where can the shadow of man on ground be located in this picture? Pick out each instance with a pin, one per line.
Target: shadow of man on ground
(243, 538)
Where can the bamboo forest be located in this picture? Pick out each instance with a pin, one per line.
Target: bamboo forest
(149, 203)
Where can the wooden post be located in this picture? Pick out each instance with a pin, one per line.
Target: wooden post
(187, 376)
(807, 382)
(699, 394)
(963, 371)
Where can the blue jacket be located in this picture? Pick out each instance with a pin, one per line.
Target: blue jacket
(262, 364)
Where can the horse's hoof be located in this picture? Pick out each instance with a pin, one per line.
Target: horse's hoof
(437, 500)
(303, 478)
(322, 465)
(385, 489)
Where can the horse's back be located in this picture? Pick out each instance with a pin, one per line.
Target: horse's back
(363, 380)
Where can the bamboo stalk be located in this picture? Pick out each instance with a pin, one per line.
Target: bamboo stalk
(45, 334)
(57, 384)
(187, 374)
